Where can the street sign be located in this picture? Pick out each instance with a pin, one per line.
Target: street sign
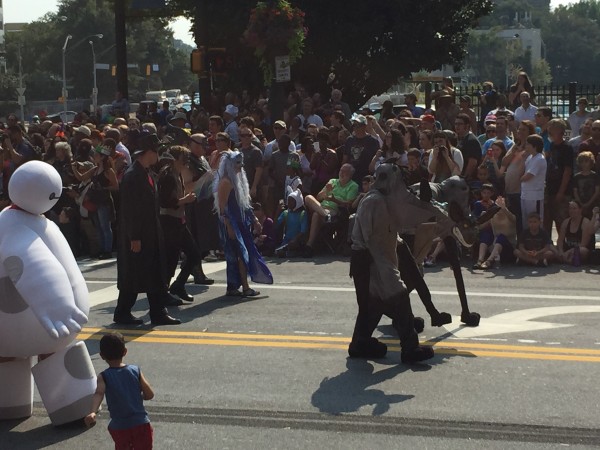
(517, 321)
(21, 100)
(102, 66)
(21, 90)
(282, 69)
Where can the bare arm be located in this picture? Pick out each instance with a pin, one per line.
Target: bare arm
(82, 176)
(90, 419)
(374, 161)
(112, 179)
(528, 176)
(147, 392)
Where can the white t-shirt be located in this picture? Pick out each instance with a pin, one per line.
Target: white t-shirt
(522, 114)
(313, 119)
(534, 188)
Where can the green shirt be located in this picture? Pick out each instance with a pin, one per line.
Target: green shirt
(344, 193)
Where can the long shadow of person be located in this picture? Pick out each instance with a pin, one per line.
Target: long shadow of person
(349, 391)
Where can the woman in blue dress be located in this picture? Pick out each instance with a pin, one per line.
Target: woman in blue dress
(232, 201)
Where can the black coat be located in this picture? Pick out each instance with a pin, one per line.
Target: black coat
(139, 220)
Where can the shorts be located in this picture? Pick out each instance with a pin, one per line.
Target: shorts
(135, 438)
(507, 253)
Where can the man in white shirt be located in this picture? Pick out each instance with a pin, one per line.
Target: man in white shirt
(526, 111)
(534, 179)
(115, 134)
(308, 117)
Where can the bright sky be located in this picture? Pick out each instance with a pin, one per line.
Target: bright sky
(15, 11)
(29, 10)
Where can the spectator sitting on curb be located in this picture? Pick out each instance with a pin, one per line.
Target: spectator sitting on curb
(294, 221)
(534, 245)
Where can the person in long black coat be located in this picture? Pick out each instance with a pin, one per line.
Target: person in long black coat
(141, 253)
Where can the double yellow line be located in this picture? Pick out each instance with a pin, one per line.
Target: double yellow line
(341, 343)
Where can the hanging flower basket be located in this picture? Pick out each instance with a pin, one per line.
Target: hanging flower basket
(275, 28)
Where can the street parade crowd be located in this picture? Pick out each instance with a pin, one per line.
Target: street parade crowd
(167, 188)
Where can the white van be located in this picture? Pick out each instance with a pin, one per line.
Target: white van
(157, 96)
(174, 96)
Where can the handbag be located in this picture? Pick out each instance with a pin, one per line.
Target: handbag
(85, 205)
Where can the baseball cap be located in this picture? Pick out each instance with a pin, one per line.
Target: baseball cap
(359, 118)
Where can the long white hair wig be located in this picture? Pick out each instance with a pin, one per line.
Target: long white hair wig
(227, 169)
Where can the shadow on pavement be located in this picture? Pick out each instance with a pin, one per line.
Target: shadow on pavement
(36, 438)
(350, 390)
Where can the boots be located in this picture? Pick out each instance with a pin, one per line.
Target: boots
(370, 348)
(200, 277)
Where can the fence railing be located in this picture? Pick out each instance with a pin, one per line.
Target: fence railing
(561, 99)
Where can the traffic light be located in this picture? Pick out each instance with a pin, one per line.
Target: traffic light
(218, 61)
(197, 61)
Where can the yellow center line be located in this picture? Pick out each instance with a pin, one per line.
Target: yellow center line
(341, 343)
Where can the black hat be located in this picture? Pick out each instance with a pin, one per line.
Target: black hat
(147, 141)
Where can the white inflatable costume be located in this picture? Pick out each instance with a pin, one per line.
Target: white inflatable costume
(43, 304)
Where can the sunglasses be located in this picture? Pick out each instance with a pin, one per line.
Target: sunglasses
(245, 135)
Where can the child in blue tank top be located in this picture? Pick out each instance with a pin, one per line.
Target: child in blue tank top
(125, 388)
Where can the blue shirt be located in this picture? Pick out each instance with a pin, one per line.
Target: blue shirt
(296, 222)
(124, 397)
(508, 143)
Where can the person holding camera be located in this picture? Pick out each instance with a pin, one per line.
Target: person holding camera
(19, 148)
(445, 161)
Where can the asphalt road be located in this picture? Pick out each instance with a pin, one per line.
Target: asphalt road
(273, 372)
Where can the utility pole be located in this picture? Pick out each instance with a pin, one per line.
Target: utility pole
(204, 81)
(21, 89)
(121, 44)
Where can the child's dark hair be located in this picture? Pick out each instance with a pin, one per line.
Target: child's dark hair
(112, 346)
(536, 141)
(368, 179)
(414, 153)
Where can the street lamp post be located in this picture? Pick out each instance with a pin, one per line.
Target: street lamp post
(95, 88)
(64, 89)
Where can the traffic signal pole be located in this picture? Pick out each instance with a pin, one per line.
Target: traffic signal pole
(202, 44)
(121, 47)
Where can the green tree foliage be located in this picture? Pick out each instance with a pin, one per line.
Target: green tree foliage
(571, 35)
(149, 41)
(367, 46)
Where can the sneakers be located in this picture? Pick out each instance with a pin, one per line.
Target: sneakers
(459, 236)
(419, 353)
(328, 218)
